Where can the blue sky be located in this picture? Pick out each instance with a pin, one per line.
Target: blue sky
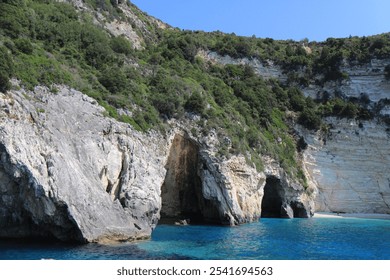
(278, 19)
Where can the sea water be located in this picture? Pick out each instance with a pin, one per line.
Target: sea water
(268, 239)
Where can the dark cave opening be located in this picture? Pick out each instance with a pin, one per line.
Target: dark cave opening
(181, 192)
(272, 199)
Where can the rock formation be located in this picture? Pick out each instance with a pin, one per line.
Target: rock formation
(350, 167)
(284, 198)
(349, 164)
(71, 173)
(347, 167)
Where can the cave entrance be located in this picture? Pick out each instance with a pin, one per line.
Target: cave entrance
(181, 192)
(272, 199)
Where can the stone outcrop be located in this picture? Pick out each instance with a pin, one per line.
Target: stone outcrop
(69, 172)
(265, 69)
(135, 29)
(347, 168)
(234, 184)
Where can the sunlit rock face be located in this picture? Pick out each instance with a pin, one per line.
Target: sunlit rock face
(364, 81)
(69, 172)
(349, 164)
(350, 167)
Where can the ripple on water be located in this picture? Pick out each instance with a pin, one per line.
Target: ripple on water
(268, 239)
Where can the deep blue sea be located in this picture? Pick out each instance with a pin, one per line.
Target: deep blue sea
(269, 239)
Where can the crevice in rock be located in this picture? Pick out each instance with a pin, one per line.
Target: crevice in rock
(272, 199)
(181, 192)
(121, 180)
(114, 188)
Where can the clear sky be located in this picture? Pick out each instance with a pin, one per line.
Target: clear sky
(278, 19)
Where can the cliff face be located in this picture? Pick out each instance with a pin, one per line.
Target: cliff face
(69, 172)
(349, 165)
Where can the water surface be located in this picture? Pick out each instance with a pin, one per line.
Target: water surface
(275, 239)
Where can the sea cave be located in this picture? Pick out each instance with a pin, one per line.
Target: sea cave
(181, 192)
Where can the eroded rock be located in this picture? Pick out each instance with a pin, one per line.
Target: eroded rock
(69, 172)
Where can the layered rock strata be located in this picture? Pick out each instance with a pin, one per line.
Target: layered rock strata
(349, 167)
(349, 164)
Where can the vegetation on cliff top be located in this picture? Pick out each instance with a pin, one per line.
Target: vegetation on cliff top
(48, 42)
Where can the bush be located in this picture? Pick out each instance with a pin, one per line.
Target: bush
(344, 109)
(6, 62)
(167, 104)
(122, 45)
(6, 69)
(309, 119)
(13, 19)
(4, 82)
(297, 99)
(113, 79)
(24, 45)
(195, 103)
(98, 55)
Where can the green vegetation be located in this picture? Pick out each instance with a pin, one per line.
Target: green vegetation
(48, 42)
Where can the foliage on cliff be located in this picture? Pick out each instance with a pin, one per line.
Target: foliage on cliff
(49, 42)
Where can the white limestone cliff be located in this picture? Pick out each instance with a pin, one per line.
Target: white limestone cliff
(349, 167)
(68, 171)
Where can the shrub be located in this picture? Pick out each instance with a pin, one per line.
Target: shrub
(301, 144)
(344, 109)
(98, 55)
(24, 45)
(6, 62)
(195, 103)
(167, 104)
(4, 82)
(113, 79)
(297, 99)
(13, 19)
(6, 69)
(122, 45)
(310, 119)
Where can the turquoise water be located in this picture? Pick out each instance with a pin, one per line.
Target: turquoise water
(275, 239)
